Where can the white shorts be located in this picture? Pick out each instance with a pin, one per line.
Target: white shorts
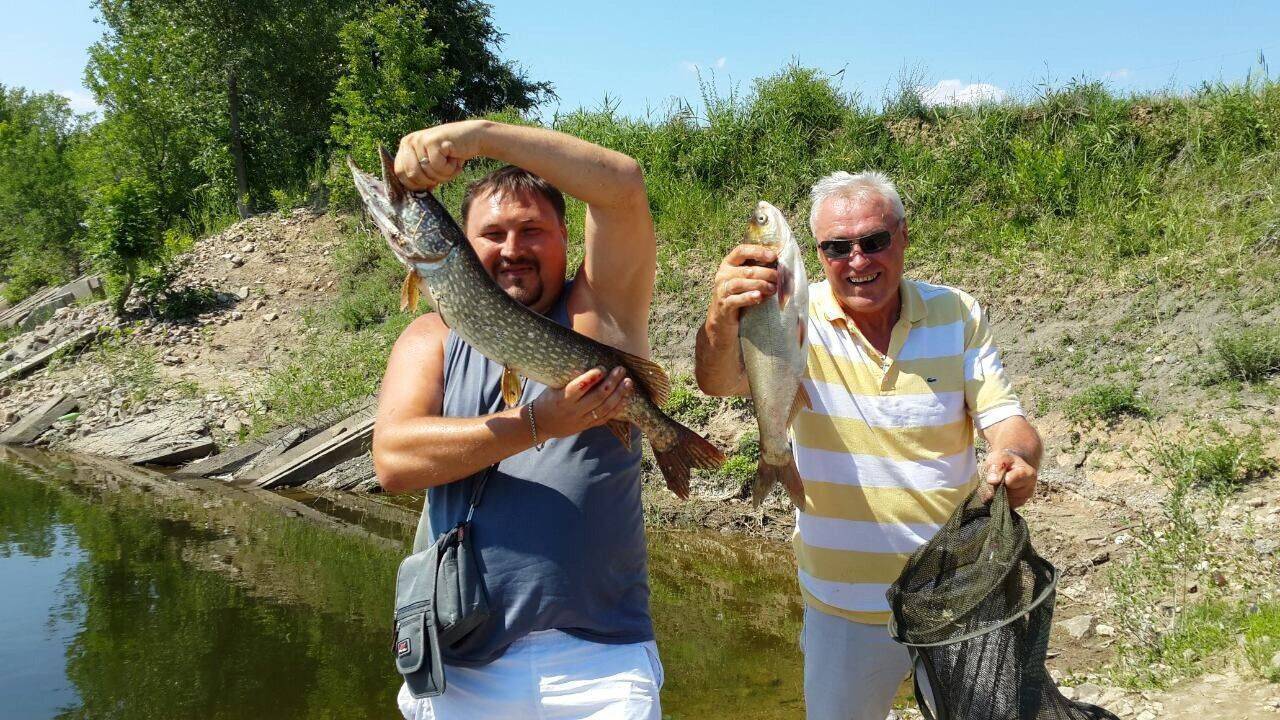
(550, 675)
(851, 670)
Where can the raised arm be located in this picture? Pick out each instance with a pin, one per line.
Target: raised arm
(620, 253)
(414, 447)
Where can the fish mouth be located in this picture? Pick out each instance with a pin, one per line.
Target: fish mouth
(862, 279)
(428, 261)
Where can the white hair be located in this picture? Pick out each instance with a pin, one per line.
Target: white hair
(843, 184)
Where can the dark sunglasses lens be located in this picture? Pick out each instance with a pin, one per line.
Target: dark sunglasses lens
(875, 243)
(836, 249)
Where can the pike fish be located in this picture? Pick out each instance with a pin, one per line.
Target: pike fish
(775, 349)
(442, 263)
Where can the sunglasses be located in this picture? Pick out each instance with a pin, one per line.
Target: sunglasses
(869, 244)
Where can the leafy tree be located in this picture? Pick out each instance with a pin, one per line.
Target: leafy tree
(40, 201)
(222, 100)
(411, 63)
(125, 233)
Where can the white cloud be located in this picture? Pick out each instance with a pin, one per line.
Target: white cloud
(81, 101)
(694, 67)
(954, 92)
(1120, 74)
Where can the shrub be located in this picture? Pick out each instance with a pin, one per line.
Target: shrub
(1217, 460)
(1249, 355)
(1108, 403)
(124, 233)
(168, 300)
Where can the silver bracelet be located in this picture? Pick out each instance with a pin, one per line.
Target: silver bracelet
(533, 429)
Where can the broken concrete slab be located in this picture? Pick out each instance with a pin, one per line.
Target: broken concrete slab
(345, 440)
(228, 462)
(170, 435)
(355, 475)
(175, 453)
(38, 307)
(85, 287)
(42, 358)
(254, 469)
(19, 312)
(46, 309)
(41, 418)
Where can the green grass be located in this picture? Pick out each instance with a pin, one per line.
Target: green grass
(1080, 181)
(1174, 619)
(1107, 403)
(1215, 459)
(131, 366)
(331, 367)
(740, 466)
(1261, 626)
(369, 293)
(687, 405)
(346, 344)
(1249, 355)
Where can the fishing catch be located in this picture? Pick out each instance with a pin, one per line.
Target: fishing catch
(442, 263)
(775, 349)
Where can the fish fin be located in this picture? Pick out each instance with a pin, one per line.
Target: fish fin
(769, 475)
(648, 375)
(785, 287)
(510, 387)
(395, 191)
(690, 450)
(802, 401)
(409, 292)
(622, 430)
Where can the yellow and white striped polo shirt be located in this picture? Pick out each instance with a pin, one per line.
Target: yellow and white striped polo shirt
(886, 453)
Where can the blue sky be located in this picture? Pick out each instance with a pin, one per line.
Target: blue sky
(644, 53)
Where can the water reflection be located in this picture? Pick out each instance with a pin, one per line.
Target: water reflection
(120, 613)
(156, 638)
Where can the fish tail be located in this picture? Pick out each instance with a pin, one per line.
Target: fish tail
(769, 475)
(690, 450)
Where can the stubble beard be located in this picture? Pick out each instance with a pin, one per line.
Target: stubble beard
(526, 288)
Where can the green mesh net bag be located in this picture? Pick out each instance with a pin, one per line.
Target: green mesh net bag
(974, 607)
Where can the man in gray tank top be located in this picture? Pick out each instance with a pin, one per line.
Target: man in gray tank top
(560, 531)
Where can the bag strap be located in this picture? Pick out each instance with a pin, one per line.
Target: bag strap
(477, 492)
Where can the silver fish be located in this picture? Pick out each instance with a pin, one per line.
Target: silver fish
(442, 262)
(775, 351)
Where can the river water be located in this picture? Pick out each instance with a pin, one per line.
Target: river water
(119, 600)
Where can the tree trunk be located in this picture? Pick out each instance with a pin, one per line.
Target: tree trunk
(123, 297)
(237, 148)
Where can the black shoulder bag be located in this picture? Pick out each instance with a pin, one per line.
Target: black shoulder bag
(440, 599)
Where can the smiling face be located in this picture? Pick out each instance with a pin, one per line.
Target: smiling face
(865, 285)
(521, 244)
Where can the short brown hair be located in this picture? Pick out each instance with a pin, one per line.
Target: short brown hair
(511, 180)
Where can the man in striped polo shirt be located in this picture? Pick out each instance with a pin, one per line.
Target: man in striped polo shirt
(900, 374)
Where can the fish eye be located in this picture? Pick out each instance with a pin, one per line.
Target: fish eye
(762, 219)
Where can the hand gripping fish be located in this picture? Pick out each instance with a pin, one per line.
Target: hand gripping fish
(775, 351)
(442, 262)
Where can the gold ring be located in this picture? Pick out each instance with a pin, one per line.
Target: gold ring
(424, 161)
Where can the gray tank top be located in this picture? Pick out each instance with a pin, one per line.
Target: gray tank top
(559, 532)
